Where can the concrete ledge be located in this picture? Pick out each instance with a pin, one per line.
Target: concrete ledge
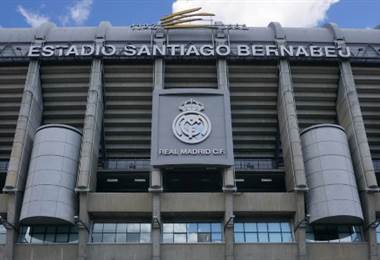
(2, 251)
(119, 202)
(377, 201)
(46, 252)
(3, 203)
(338, 251)
(192, 202)
(119, 252)
(266, 251)
(265, 202)
(192, 251)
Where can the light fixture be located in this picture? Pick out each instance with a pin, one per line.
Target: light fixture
(140, 180)
(266, 180)
(114, 180)
(239, 180)
(6, 224)
(302, 223)
(80, 223)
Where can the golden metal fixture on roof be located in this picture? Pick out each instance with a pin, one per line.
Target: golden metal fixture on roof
(184, 19)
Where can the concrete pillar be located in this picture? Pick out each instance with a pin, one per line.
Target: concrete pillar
(229, 216)
(350, 117)
(92, 130)
(291, 142)
(156, 174)
(29, 120)
(300, 233)
(84, 234)
(289, 130)
(229, 185)
(292, 149)
(156, 226)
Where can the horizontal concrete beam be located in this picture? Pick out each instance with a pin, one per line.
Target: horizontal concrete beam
(46, 252)
(265, 202)
(192, 202)
(119, 202)
(338, 251)
(3, 203)
(266, 251)
(119, 252)
(192, 251)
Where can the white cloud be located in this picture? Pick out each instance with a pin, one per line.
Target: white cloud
(291, 13)
(32, 18)
(80, 11)
(77, 13)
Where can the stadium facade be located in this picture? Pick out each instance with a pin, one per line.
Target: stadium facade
(217, 143)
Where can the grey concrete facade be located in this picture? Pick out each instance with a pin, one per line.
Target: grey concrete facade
(156, 205)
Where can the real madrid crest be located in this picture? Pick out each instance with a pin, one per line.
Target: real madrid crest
(191, 126)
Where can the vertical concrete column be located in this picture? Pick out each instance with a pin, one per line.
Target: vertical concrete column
(228, 174)
(93, 123)
(292, 149)
(228, 188)
(92, 131)
(289, 130)
(350, 117)
(291, 141)
(156, 174)
(29, 120)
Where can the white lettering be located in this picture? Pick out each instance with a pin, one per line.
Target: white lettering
(223, 50)
(207, 50)
(243, 50)
(48, 51)
(87, 50)
(130, 50)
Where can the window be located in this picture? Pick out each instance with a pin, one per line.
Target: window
(192, 233)
(182, 180)
(121, 233)
(378, 233)
(262, 232)
(334, 233)
(48, 234)
(3, 235)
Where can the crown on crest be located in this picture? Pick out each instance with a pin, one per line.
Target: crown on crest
(192, 105)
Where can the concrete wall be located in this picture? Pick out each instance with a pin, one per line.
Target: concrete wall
(119, 202)
(265, 202)
(119, 252)
(377, 202)
(328, 251)
(3, 203)
(189, 202)
(45, 252)
(266, 251)
(192, 252)
(2, 251)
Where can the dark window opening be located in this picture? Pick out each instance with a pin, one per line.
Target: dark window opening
(48, 234)
(334, 233)
(376, 165)
(3, 174)
(122, 182)
(260, 182)
(193, 180)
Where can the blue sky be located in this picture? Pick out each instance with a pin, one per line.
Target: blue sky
(346, 13)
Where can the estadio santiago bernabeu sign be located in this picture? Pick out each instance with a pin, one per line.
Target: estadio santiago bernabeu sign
(206, 50)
